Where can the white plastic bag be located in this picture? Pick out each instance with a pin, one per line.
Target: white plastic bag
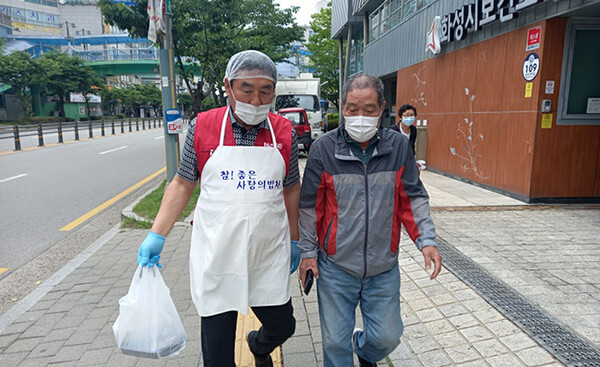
(148, 324)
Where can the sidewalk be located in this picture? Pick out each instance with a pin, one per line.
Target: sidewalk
(547, 256)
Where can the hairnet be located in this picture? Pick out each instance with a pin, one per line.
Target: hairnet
(251, 64)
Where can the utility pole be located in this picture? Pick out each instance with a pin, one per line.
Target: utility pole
(167, 79)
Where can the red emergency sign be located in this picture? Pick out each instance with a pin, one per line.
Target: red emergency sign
(534, 36)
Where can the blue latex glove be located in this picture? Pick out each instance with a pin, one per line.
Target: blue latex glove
(295, 256)
(149, 251)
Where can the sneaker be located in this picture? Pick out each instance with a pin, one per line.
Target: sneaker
(362, 362)
(260, 360)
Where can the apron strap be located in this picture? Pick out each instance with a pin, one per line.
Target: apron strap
(223, 126)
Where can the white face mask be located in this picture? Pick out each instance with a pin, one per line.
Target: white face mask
(361, 128)
(249, 113)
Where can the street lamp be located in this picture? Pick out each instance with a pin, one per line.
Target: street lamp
(67, 25)
(83, 32)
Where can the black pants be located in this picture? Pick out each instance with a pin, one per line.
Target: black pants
(218, 333)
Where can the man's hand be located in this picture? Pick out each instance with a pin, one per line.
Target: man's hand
(306, 264)
(430, 253)
(149, 251)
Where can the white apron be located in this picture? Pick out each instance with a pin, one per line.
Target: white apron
(240, 251)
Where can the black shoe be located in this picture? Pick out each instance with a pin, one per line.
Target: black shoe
(364, 363)
(260, 360)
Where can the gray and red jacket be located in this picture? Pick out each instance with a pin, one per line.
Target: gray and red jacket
(352, 212)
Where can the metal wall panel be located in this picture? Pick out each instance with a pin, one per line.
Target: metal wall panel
(357, 4)
(339, 15)
(404, 45)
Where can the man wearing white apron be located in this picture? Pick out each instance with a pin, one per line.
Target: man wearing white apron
(244, 239)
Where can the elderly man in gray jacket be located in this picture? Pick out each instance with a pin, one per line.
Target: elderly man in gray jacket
(360, 184)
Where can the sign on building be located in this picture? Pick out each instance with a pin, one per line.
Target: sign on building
(472, 17)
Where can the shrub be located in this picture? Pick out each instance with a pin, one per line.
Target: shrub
(43, 120)
(332, 124)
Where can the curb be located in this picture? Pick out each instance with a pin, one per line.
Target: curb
(128, 211)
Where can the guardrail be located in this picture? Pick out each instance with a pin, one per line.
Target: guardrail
(106, 127)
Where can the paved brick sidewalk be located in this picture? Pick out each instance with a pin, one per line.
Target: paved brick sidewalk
(546, 255)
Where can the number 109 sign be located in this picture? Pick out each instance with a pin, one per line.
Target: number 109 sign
(531, 66)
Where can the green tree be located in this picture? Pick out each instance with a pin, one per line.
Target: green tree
(208, 32)
(109, 98)
(324, 56)
(20, 71)
(184, 103)
(65, 74)
(149, 95)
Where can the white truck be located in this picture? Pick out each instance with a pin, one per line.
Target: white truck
(302, 92)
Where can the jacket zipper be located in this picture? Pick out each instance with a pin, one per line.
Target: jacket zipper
(367, 216)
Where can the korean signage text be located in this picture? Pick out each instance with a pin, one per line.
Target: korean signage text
(174, 121)
(249, 180)
(479, 13)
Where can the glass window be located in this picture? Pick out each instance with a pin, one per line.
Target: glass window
(375, 25)
(309, 103)
(2, 105)
(385, 25)
(408, 8)
(423, 3)
(579, 99)
(296, 118)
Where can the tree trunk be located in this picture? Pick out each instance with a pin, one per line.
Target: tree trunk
(197, 98)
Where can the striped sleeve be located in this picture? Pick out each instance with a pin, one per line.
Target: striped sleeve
(188, 165)
(293, 176)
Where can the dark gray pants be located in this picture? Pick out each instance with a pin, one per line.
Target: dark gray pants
(218, 333)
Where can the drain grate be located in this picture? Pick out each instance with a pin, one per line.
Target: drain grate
(564, 345)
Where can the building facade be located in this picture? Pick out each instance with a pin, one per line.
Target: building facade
(32, 17)
(507, 92)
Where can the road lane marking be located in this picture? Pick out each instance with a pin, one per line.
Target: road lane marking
(111, 201)
(13, 178)
(159, 137)
(2, 270)
(113, 150)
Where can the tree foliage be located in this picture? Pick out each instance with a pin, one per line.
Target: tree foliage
(132, 98)
(65, 74)
(20, 71)
(324, 56)
(208, 32)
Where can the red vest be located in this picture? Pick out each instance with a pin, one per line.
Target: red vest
(208, 130)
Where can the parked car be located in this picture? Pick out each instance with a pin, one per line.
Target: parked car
(301, 124)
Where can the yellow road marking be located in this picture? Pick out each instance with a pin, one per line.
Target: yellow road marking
(243, 356)
(111, 201)
(2, 270)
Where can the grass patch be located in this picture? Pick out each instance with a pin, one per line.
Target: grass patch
(149, 205)
(135, 224)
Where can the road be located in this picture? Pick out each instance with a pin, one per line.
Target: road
(29, 136)
(43, 190)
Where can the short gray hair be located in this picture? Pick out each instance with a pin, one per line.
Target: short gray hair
(363, 81)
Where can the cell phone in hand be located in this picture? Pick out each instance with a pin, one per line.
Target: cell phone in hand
(308, 281)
